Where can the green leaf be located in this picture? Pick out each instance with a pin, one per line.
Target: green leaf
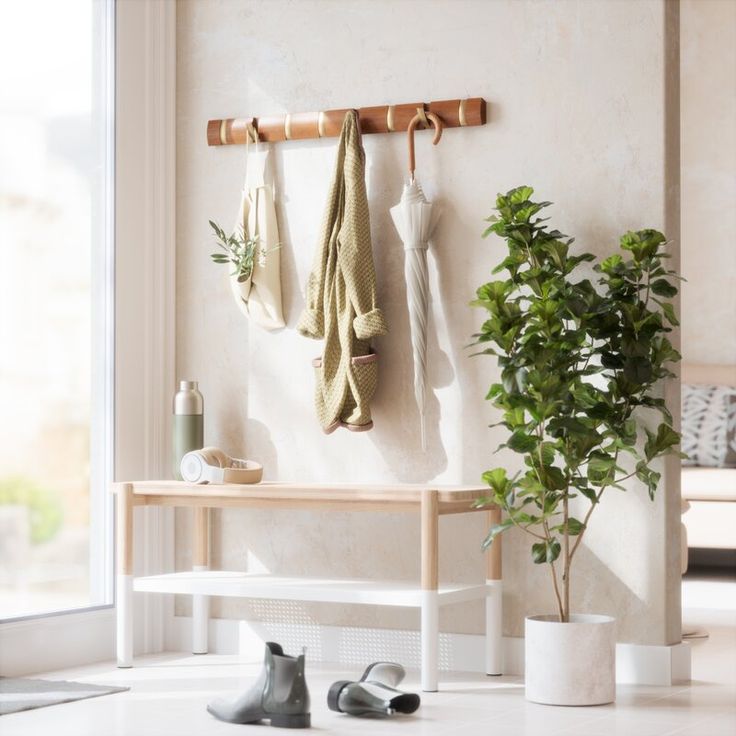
(574, 526)
(495, 391)
(552, 478)
(495, 531)
(601, 468)
(669, 312)
(547, 452)
(662, 442)
(648, 477)
(612, 264)
(629, 431)
(553, 550)
(662, 287)
(638, 370)
(520, 195)
(547, 551)
(493, 291)
(643, 244)
(496, 479)
(589, 493)
(522, 442)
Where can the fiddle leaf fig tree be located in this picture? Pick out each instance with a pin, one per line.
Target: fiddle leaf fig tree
(580, 363)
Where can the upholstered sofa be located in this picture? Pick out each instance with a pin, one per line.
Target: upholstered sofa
(710, 492)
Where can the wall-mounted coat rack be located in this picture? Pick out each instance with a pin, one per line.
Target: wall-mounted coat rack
(325, 124)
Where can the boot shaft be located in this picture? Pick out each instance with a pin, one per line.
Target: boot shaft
(286, 684)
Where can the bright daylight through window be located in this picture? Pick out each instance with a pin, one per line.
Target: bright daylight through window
(55, 324)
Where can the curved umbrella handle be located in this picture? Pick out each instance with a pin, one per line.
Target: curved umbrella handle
(422, 117)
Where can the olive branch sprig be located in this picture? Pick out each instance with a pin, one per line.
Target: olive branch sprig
(239, 250)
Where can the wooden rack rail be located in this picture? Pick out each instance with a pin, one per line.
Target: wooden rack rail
(325, 124)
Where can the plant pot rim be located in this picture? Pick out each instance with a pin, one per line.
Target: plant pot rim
(575, 618)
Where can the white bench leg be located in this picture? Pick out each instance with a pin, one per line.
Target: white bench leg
(124, 619)
(494, 601)
(430, 597)
(494, 628)
(430, 640)
(200, 618)
(124, 573)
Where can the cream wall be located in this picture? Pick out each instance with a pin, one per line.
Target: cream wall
(578, 93)
(708, 37)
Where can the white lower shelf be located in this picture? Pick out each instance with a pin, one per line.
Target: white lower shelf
(249, 585)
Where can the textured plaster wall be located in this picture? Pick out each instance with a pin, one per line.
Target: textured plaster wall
(578, 95)
(708, 37)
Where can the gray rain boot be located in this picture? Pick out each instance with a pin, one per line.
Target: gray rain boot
(280, 694)
(375, 694)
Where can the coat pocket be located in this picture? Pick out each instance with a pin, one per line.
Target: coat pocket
(365, 374)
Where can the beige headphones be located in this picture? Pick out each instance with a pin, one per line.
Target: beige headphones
(212, 465)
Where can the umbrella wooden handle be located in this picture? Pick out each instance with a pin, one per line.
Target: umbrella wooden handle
(421, 117)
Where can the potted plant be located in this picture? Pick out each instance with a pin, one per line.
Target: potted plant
(580, 364)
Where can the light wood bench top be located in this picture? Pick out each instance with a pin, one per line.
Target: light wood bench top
(343, 496)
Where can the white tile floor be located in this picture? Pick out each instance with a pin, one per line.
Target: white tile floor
(168, 694)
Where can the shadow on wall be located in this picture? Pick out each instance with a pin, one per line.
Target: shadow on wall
(595, 588)
(292, 299)
(448, 264)
(259, 434)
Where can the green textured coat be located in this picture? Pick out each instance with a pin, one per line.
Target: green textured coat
(341, 295)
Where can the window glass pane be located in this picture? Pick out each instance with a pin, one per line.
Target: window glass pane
(54, 170)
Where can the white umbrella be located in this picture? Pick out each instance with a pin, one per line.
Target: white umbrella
(259, 297)
(415, 219)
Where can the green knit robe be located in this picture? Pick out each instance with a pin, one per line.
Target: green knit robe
(341, 295)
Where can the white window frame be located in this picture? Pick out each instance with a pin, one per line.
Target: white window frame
(102, 439)
(139, 305)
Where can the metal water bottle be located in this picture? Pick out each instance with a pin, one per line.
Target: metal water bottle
(188, 430)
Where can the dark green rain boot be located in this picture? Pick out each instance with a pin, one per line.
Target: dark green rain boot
(280, 694)
(375, 694)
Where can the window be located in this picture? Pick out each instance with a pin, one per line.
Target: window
(56, 174)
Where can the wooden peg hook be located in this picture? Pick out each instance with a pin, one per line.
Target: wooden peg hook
(421, 117)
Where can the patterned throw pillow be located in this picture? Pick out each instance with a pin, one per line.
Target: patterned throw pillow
(709, 425)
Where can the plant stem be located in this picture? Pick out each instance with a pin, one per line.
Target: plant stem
(524, 529)
(566, 569)
(560, 609)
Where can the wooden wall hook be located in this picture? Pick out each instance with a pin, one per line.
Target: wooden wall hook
(328, 123)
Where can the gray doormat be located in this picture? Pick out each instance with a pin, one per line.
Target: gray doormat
(17, 694)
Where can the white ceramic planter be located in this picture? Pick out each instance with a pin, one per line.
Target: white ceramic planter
(572, 663)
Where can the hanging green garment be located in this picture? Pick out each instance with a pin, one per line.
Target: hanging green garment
(341, 295)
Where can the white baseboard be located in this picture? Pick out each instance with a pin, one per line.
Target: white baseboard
(50, 643)
(635, 663)
(643, 664)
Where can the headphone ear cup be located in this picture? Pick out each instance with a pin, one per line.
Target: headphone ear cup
(215, 456)
(192, 467)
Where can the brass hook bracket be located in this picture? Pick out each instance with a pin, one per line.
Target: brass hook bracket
(251, 132)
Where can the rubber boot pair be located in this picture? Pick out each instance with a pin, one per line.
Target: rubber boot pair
(280, 694)
(375, 694)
